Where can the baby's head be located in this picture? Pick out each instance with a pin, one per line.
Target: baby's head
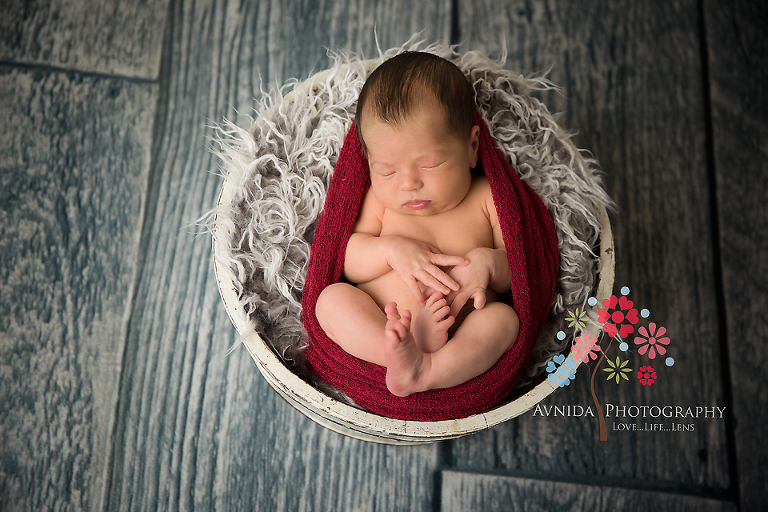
(412, 80)
(415, 123)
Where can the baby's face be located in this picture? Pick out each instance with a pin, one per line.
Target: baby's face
(419, 167)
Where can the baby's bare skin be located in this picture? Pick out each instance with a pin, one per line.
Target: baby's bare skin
(426, 241)
(455, 232)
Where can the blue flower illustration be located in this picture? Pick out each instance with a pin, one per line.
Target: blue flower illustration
(561, 371)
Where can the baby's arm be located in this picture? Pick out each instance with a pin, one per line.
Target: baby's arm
(488, 267)
(500, 279)
(370, 255)
(365, 258)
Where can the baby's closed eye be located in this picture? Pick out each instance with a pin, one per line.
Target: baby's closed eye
(432, 165)
(384, 171)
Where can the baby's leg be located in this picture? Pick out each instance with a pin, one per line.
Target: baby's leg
(431, 325)
(484, 336)
(407, 366)
(351, 318)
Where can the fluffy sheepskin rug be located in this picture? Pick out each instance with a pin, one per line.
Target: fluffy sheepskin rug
(282, 165)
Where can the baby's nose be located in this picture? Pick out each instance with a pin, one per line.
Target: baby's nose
(409, 180)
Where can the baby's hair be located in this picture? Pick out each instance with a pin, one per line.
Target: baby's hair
(400, 85)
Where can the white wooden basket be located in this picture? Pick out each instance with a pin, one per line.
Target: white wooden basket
(351, 421)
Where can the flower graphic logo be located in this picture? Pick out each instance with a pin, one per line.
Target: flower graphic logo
(652, 341)
(576, 319)
(563, 374)
(618, 319)
(618, 316)
(646, 375)
(585, 347)
(617, 370)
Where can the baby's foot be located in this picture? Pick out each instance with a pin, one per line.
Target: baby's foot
(407, 366)
(430, 329)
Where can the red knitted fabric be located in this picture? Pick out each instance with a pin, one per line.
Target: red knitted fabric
(531, 244)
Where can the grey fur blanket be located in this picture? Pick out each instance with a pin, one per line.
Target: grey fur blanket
(284, 161)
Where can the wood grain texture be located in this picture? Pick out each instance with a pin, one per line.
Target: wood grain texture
(197, 429)
(631, 74)
(462, 492)
(738, 59)
(74, 160)
(113, 36)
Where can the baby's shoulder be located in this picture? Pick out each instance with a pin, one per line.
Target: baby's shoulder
(371, 204)
(369, 218)
(480, 191)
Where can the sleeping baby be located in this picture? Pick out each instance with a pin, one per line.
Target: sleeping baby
(426, 256)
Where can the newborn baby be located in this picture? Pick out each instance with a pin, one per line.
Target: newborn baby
(427, 238)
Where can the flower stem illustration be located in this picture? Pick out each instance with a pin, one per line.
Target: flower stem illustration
(600, 416)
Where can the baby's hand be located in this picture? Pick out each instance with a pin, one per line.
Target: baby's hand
(474, 279)
(416, 262)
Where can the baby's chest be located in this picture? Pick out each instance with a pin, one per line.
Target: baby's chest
(451, 234)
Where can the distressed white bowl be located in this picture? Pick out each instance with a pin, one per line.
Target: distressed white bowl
(351, 421)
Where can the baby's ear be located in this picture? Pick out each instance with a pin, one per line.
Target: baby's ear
(474, 145)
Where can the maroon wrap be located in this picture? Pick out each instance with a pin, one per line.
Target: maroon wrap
(531, 243)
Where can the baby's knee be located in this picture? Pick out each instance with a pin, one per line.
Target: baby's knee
(329, 302)
(511, 316)
(507, 321)
(331, 298)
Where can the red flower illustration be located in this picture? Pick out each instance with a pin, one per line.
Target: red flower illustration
(618, 315)
(646, 375)
(654, 340)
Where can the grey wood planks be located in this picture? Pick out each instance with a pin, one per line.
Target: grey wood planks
(489, 493)
(111, 37)
(74, 160)
(737, 49)
(198, 429)
(631, 74)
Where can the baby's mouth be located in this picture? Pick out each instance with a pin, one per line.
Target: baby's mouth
(417, 204)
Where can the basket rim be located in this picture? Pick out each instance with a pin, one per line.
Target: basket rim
(350, 420)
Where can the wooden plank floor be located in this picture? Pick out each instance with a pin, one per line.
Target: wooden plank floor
(114, 384)
(633, 89)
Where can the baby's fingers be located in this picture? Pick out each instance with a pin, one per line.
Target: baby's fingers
(413, 285)
(446, 260)
(479, 299)
(435, 278)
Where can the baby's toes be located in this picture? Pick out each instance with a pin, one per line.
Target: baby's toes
(403, 329)
(443, 311)
(405, 319)
(392, 337)
(394, 327)
(433, 300)
(391, 311)
(440, 306)
(400, 325)
(446, 322)
(437, 305)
